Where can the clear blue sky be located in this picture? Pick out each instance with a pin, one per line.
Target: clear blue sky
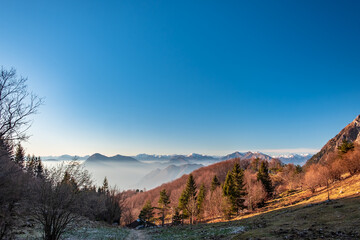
(185, 76)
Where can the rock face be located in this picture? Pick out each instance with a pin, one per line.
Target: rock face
(351, 133)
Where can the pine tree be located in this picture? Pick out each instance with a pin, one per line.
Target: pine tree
(176, 219)
(345, 146)
(264, 177)
(19, 155)
(147, 212)
(105, 186)
(298, 169)
(164, 201)
(187, 201)
(69, 181)
(200, 199)
(228, 192)
(255, 164)
(31, 165)
(214, 184)
(66, 178)
(234, 190)
(39, 169)
(239, 187)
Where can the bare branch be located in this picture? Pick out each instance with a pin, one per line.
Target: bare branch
(17, 104)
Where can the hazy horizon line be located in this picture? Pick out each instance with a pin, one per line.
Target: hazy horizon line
(270, 152)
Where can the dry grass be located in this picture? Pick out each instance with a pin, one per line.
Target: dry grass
(293, 215)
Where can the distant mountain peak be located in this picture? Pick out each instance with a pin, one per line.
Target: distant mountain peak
(247, 155)
(195, 155)
(97, 157)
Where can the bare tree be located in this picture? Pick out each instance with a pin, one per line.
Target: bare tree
(113, 206)
(256, 191)
(60, 199)
(12, 190)
(16, 105)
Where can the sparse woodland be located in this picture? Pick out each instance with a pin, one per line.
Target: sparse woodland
(29, 194)
(237, 187)
(59, 197)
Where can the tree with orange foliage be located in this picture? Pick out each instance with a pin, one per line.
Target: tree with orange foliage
(351, 161)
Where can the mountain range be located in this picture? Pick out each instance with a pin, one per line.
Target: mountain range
(177, 159)
(97, 157)
(297, 159)
(174, 157)
(246, 155)
(64, 157)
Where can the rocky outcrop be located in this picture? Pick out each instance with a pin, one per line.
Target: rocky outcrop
(351, 133)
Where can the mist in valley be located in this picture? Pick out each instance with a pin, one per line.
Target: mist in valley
(142, 175)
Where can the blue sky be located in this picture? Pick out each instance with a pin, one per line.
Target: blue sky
(185, 76)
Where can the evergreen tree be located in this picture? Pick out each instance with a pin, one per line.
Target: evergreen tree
(255, 164)
(228, 192)
(105, 186)
(200, 199)
(228, 187)
(147, 212)
(176, 219)
(69, 181)
(345, 146)
(239, 187)
(264, 177)
(164, 201)
(187, 201)
(214, 184)
(234, 190)
(31, 165)
(39, 169)
(298, 169)
(66, 178)
(19, 155)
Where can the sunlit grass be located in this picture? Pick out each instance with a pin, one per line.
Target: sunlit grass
(294, 215)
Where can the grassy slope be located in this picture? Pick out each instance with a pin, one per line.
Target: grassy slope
(297, 215)
(82, 230)
(98, 233)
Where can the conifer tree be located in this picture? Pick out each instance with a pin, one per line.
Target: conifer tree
(39, 169)
(187, 201)
(214, 184)
(19, 155)
(228, 192)
(147, 212)
(200, 199)
(105, 186)
(264, 177)
(31, 165)
(176, 219)
(234, 190)
(239, 188)
(164, 202)
(345, 146)
(66, 179)
(69, 181)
